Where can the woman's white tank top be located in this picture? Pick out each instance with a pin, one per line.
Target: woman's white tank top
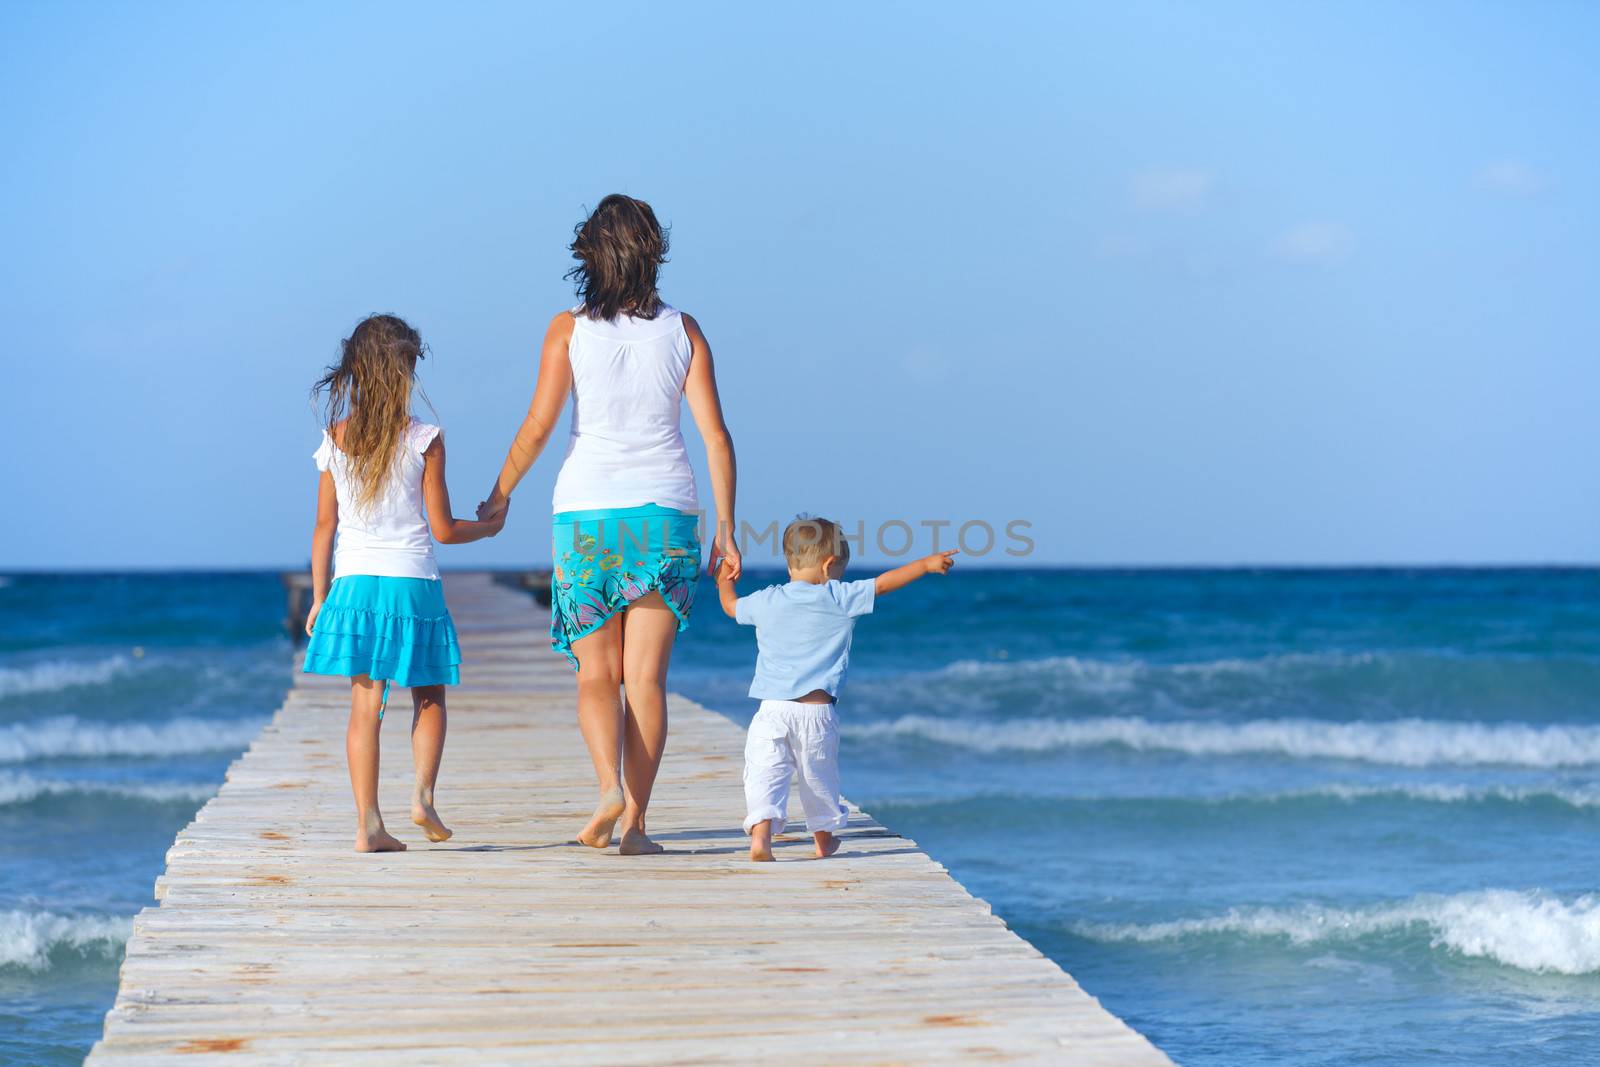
(392, 538)
(627, 391)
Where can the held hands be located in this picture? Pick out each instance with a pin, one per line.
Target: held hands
(725, 563)
(495, 507)
(939, 562)
(494, 520)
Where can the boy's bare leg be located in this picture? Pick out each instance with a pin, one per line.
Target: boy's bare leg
(761, 842)
(827, 843)
(361, 752)
(427, 750)
(600, 721)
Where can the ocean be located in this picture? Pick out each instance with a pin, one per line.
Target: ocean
(1327, 817)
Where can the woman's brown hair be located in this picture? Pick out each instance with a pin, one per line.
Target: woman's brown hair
(619, 248)
(370, 388)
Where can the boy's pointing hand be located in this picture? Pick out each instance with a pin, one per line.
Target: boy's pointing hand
(940, 562)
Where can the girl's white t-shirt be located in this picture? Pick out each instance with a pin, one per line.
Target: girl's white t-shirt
(627, 391)
(390, 539)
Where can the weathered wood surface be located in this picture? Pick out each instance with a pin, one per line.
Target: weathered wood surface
(275, 943)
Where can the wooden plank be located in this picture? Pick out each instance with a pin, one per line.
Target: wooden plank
(274, 943)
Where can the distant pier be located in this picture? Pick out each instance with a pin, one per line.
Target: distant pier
(274, 943)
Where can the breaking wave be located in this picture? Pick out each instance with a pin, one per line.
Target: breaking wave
(1528, 930)
(68, 736)
(53, 675)
(38, 940)
(1402, 742)
(24, 789)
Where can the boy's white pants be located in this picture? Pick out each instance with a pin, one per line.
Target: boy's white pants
(787, 736)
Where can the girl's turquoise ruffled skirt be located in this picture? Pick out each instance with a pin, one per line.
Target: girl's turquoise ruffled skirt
(390, 629)
(607, 558)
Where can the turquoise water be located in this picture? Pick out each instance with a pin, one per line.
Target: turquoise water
(1268, 817)
(1333, 817)
(122, 701)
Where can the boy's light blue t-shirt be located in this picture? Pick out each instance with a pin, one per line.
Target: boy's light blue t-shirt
(803, 634)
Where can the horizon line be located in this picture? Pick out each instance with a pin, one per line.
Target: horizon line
(93, 571)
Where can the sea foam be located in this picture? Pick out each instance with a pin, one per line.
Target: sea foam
(1447, 793)
(1528, 930)
(1127, 671)
(1401, 742)
(1581, 797)
(23, 789)
(69, 736)
(53, 675)
(32, 940)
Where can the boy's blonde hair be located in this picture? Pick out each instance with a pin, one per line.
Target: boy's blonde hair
(809, 540)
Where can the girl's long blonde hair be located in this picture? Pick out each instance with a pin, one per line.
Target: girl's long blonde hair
(370, 389)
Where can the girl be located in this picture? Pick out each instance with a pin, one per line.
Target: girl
(383, 618)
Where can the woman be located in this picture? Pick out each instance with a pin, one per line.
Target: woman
(627, 550)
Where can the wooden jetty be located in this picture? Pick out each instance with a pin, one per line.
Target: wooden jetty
(274, 943)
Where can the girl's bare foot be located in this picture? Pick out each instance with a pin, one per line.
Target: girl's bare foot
(598, 833)
(827, 844)
(423, 815)
(761, 842)
(635, 843)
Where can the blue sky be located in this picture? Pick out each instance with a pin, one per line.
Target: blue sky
(1173, 283)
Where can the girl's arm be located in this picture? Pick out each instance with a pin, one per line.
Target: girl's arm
(900, 577)
(549, 397)
(447, 529)
(322, 547)
(700, 389)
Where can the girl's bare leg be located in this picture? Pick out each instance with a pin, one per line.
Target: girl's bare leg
(361, 751)
(600, 720)
(649, 627)
(427, 750)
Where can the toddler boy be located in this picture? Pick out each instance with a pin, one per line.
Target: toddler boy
(803, 632)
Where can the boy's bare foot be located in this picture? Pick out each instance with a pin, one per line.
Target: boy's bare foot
(827, 844)
(635, 843)
(423, 815)
(598, 833)
(761, 842)
(379, 841)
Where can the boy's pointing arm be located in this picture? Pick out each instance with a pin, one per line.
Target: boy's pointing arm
(900, 577)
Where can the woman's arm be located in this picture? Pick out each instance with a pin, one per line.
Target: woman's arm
(700, 389)
(549, 397)
(322, 546)
(447, 529)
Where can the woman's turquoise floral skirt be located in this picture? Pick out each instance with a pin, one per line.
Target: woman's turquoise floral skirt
(609, 557)
(390, 629)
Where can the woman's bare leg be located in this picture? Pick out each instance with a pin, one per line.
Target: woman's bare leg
(600, 720)
(649, 628)
(361, 752)
(427, 750)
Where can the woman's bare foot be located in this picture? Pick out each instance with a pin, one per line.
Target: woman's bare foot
(761, 842)
(635, 843)
(598, 833)
(372, 837)
(423, 815)
(827, 844)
